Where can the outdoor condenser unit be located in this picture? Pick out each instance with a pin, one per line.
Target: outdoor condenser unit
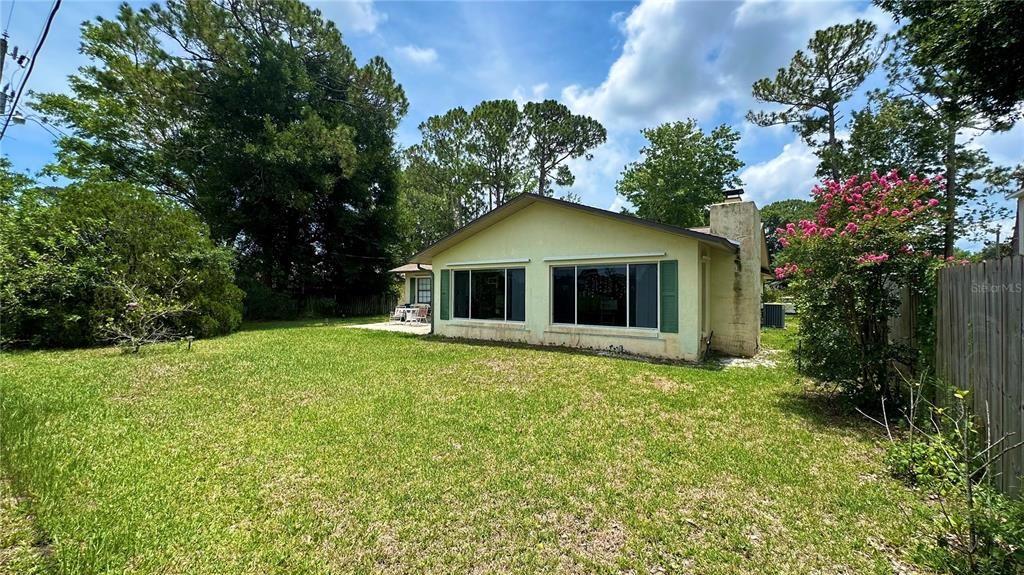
(773, 315)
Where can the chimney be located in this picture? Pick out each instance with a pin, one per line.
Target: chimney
(736, 305)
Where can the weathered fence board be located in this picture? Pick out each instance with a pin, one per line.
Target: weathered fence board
(980, 346)
(367, 305)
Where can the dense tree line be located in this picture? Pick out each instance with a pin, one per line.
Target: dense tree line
(255, 115)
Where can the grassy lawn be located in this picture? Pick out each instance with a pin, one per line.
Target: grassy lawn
(305, 448)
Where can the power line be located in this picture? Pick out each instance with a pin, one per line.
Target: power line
(31, 65)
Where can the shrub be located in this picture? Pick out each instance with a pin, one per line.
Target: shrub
(264, 303)
(64, 249)
(847, 270)
(976, 530)
(317, 307)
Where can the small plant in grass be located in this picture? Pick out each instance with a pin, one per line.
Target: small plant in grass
(947, 454)
(145, 317)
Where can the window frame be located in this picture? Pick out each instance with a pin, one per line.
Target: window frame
(575, 295)
(469, 295)
(424, 280)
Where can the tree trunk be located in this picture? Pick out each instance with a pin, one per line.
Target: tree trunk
(949, 236)
(831, 148)
(541, 180)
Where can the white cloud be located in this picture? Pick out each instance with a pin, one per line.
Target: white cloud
(692, 59)
(788, 175)
(536, 94)
(660, 73)
(417, 55)
(1004, 148)
(595, 178)
(618, 203)
(359, 16)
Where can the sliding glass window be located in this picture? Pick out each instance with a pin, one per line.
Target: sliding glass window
(622, 295)
(489, 294)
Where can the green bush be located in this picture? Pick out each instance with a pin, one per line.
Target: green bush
(924, 463)
(316, 307)
(264, 303)
(999, 538)
(63, 250)
(976, 530)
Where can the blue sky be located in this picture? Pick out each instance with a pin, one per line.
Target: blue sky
(630, 65)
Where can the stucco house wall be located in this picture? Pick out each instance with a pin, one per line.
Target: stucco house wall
(717, 277)
(542, 231)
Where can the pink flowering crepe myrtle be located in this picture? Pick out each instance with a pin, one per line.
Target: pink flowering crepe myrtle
(872, 214)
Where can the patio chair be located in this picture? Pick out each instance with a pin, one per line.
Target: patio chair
(398, 314)
(422, 313)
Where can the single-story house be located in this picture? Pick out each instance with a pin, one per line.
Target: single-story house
(543, 271)
(416, 284)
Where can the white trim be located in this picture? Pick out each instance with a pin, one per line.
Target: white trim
(603, 331)
(470, 322)
(490, 262)
(603, 256)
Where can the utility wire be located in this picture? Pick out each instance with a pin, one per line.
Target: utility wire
(31, 65)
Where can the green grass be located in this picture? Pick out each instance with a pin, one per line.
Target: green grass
(318, 448)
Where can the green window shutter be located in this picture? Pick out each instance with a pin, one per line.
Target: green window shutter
(670, 296)
(445, 278)
(412, 290)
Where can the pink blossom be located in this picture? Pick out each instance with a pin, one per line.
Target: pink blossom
(786, 270)
(851, 228)
(933, 202)
(870, 258)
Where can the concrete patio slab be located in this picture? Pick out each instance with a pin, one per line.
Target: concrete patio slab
(397, 326)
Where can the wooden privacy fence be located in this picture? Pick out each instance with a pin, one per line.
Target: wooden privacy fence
(382, 304)
(980, 347)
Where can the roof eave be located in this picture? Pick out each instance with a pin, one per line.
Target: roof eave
(524, 200)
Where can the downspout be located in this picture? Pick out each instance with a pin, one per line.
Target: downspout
(433, 300)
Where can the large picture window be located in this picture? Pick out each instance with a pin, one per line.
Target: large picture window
(490, 294)
(619, 295)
